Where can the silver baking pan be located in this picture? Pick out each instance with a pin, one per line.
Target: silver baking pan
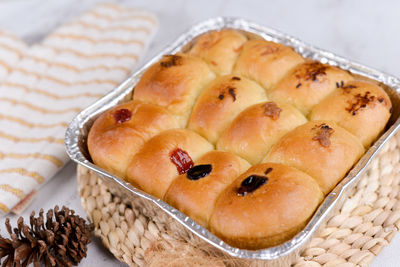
(76, 135)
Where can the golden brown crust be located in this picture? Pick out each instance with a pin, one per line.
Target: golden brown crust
(270, 212)
(306, 149)
(153, 169)
(219, 49)
(196, 197)
(120, 132)
(308, 83)
(174, 83)
(257, 128)
(250, 98)
(220, 102)
(360, 107)
(266, 62)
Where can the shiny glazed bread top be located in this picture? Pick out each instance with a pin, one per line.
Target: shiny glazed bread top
(243, 135)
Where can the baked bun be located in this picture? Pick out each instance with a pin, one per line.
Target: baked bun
(257, 128)
(322, 149)
(174, 83)
(252, 100)
(163, 158)
(195, 192)
(221, 101)
(219, 49)
(266, 62)
(362, 108)
(265, 206)
(120, 132)
(308, 83)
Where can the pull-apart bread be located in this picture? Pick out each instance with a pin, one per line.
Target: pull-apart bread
(243, 135)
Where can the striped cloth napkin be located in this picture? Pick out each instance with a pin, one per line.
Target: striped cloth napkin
(43, 86)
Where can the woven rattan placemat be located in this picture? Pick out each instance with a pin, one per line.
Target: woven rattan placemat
(365, 223)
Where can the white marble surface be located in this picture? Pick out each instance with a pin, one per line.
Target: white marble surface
(365, 31)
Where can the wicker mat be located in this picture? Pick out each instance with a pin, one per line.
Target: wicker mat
(365, 223)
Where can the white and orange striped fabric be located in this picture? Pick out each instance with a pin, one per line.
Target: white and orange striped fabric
(43, 86)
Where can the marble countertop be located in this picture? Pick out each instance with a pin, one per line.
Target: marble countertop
(365, 31)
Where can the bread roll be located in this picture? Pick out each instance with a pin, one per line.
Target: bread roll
(163, 158)
(195, 192)
(266, 62)
(174, 83)
(257, 128)
(360, 107)
(265, 206)
(253, 100)
(221, 102)
(308, 83)
(219, 49)
(120, 132)
(322, 149)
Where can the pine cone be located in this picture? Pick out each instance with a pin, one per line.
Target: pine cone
(59, 242)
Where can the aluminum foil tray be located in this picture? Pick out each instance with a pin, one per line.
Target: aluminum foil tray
(76, 135)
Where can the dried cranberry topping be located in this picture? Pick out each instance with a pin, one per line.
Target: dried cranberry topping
(323, 134)
(170, 61)
(122, 115)
(250, 184)
(272, 110)
(182, 160)
(231, 91)
(268, 171)
(360, 102)
(199, 171)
